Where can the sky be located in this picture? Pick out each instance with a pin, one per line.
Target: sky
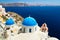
(55, 2)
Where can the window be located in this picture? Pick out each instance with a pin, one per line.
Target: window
(29, 30)
(24, 29)
(21, 29)
(8, 28)
(11, 31)
(35, 28)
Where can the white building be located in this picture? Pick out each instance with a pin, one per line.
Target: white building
(10, 23)
(29, 25)
(2, 10)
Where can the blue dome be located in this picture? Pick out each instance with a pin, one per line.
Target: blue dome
(9, 22)
(29, 21)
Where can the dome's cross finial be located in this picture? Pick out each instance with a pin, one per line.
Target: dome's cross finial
(29, 16)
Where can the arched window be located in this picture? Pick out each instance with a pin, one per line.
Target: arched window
(30, 30)
(24, 29)
(35, 28)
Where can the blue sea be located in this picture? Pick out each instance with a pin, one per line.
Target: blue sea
(42, 14)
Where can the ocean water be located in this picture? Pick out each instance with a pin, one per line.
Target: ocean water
(42, 14)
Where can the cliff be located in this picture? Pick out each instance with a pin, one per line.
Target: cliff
(13, 4)
(24, 4)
